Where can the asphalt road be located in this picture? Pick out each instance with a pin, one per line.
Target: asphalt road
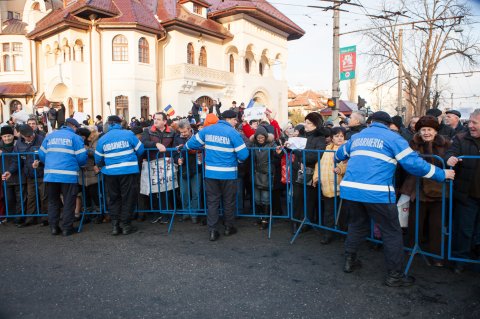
(153, 274)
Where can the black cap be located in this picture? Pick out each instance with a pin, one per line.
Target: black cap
(434, 112)
(7, 129)
(381, 116)
(454, 112)
(229, 114)
(25, 130)
(73, 122)
(114, 119)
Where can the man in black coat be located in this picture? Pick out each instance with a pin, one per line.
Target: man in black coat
(29, 143)
(466, 190)
(452, 119)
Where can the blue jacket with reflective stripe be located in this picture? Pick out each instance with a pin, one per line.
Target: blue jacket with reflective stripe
(373, 155)
(117, 151)
(63, 152)
(224, 148)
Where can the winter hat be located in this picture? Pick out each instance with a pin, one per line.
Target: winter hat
(315, 118)
(261, 131)
(7, 129)
(73, 122)
(229, 114)
(434, 112)
(137, 130)
(454, 112)
(25, 130)
(83, 131)
(427, 121)
(381, 116)
(114, 119)
(398, 121)
(210, 120)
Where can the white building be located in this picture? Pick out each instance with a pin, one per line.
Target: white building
(134, 57)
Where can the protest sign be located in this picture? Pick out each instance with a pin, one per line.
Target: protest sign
(254, 113)
(161, 176)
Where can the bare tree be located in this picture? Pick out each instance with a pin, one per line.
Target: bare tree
(426, 45)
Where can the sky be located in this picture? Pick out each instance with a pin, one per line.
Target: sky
(310, 57)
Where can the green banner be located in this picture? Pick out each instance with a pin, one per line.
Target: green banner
(348, 61)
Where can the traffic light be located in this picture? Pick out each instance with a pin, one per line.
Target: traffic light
(361, 102)
(331, 103)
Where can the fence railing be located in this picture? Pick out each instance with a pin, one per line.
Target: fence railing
(170, 189)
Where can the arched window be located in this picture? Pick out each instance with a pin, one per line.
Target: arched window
(232, 63)
(247, 65)
(190, 54)
(13, 106)
(121, 105)
(202, 59)
(78, 51)
(66, 53)
(143, 51)
(120, 48)
(260, 68)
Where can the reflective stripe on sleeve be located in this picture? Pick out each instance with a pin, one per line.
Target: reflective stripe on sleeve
(431, 172)
(199, 139)
(239, 148)
(99, 154)
(80, 151)
(403, 153)
(138, 145)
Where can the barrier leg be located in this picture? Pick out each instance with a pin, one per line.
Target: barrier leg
(298, 230)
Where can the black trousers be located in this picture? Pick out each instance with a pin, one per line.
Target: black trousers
(14, 200)
(69, 192)
(216, 190)
(386, 216)
(122, 192)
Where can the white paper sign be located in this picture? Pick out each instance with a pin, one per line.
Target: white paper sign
(80, 117)
(297, 143)
(20, 117)
(254, 113)
(160, 179)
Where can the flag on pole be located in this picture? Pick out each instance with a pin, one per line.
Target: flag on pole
(250, 104)
(169, 110)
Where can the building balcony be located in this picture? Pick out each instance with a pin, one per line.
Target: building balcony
(199, 74)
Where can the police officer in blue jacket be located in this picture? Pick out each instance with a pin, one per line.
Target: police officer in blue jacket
(368, 191)
(62, 152)
(117, 155)
(224, 148)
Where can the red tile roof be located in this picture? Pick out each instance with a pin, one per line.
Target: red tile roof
(103, 7)
(42, 101)
(60, 19)
(172, 13)
(134, 11)
(16, 89)
(259, 9)
(291, 94)
(14, 26)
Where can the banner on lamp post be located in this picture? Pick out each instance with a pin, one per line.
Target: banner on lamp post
(348, 60)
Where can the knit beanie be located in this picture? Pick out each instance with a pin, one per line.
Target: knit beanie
(261, 131)
(210, 120)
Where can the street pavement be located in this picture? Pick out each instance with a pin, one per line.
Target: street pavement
(153, 274)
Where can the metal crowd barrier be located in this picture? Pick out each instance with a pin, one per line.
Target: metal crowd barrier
(160, 201)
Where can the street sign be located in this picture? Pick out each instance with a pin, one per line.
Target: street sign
(348, 60)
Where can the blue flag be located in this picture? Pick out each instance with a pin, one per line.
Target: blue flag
(250, 104)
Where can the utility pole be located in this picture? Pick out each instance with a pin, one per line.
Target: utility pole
(451, 101)
(400, 75)
(336, 60)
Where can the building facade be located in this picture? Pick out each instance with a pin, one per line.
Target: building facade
(134, 57)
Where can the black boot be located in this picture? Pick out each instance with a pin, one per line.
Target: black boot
(398, 279)
(116, 228)
(128, 229)
(351, 262)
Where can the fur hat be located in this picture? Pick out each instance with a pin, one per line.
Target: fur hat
(7, 129)
(427, 121)
(315, 118)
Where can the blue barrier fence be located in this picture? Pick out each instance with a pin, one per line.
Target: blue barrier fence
(180, 190)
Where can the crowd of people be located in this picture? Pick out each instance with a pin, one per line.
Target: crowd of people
(221, 148)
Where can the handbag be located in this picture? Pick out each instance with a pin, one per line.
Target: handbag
(305, 175)
(403, 207)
